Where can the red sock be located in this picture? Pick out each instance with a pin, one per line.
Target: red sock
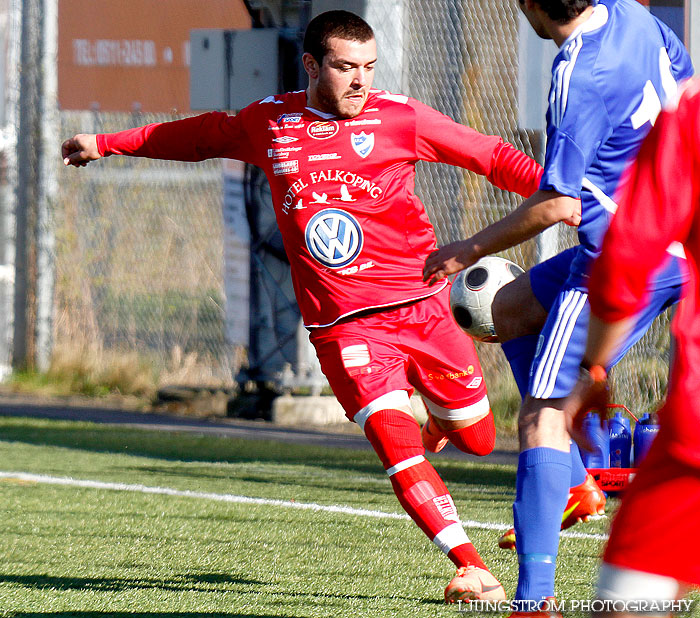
(478, 439)
(395, 437)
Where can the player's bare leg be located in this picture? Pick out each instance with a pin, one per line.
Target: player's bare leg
(541, 423)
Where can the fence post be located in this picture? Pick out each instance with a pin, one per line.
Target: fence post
(27, 193)
(48, 189)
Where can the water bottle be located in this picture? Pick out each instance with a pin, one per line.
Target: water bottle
(644, 434)
(600, 456)
(620, 441)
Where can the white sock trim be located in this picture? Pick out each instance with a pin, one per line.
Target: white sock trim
(450, 537)
(406, 463)
(392, 400)
(621, 584)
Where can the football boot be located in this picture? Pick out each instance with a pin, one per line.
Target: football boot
(472, 583)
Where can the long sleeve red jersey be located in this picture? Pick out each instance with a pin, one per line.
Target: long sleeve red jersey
(660, 203)
(355, 233)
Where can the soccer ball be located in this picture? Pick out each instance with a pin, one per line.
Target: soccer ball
(473, 291)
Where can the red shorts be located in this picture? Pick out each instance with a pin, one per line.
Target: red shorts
(417, 346)
(656, 528)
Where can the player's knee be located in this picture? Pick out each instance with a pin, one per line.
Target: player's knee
(542, 423)
(516, 311)
(505, 313)
(499, 308)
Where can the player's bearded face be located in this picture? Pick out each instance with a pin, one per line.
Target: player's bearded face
(344, 78)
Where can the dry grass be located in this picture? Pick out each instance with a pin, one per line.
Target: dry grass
(87, 370)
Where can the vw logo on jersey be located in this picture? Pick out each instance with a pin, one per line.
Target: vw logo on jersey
(363, 143)
(334, 237)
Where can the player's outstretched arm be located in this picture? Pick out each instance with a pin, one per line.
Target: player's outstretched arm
(80, 149)
(538, 212)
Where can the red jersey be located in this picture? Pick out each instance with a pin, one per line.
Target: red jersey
(355, 233)
(660, 203)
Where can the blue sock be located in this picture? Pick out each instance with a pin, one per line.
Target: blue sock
(541, 492)
(578, 470)
(520, 353)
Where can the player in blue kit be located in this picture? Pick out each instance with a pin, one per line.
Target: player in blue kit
(616, 66)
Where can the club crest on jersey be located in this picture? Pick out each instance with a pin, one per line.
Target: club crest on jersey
(334, 237)
(363, 144)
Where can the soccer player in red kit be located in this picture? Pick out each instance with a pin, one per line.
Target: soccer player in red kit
(340, 159)
(650, 555)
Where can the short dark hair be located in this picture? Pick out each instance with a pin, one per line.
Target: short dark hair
(339, 24)
(564, 11)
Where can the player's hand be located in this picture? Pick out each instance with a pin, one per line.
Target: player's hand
(575, 219)
(587, 395)
(80, 150)
(448, 260)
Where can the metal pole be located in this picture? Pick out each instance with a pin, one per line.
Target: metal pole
(8, 155)
(49, 160)
(547, 241)
(693, 32)
(26, 216)
(304, 19)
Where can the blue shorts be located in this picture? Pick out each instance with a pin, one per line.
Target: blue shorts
(562, 341)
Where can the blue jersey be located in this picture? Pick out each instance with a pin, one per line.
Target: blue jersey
(609, 82)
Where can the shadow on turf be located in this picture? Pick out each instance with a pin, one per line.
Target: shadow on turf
(142, 615)
(190, 583)
(184, 447)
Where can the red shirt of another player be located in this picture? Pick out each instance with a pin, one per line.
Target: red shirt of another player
(660, 203)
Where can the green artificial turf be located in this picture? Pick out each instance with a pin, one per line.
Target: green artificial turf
(94, 552)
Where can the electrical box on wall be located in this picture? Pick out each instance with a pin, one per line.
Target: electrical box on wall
(358, 7)
(231, 68)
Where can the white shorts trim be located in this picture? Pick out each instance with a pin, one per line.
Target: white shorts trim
(450, 537)
(621, 584)
(406, 463)
(393, 400)
(479, 408)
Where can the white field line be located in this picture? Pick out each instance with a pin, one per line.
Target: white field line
(232, 498)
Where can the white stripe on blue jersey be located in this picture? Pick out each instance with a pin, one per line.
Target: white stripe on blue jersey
(559, 93)
(548, 365)
(604, 200)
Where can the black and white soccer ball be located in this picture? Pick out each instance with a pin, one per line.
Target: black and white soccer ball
(473, 291)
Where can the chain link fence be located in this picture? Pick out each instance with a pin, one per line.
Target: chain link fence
(137, 245)
(139, 260)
